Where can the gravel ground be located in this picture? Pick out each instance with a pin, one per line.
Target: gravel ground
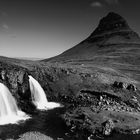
(33, 136)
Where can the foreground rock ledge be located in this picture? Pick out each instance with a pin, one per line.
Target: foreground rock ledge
(97, 115)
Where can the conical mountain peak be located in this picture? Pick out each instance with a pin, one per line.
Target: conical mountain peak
(112, 22)
(113, 29)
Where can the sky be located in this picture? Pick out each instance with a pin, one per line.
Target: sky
(46, 28)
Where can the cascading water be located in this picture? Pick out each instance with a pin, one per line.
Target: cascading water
(9, 112)
(38, 96)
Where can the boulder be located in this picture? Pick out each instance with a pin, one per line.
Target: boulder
(131, 87)
(108, 127)
(120, 85)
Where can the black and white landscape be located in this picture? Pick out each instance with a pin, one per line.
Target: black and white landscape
(89, 92)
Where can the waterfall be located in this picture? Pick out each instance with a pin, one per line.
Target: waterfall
(39, 97)
(9, 112)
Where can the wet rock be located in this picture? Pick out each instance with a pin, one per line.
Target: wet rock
(16, 79)
(108, 127)
(3, 75)
(13, 78)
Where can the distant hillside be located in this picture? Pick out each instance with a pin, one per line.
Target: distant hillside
(16, 62)
(29, 58)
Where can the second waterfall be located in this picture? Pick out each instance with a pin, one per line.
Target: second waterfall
(39, 97)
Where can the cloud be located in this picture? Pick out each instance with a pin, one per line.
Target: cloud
(104, 3)
(5, 26)
(112, 2)
(96, 4)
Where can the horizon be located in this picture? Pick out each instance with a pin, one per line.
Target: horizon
(44, 29)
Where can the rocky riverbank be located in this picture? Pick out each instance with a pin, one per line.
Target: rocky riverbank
(101, 116)
(94, 106)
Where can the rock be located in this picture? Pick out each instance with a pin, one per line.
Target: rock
(101, 98)
(108, 127)
(131, 87)
(16, 79)
(124, 86)
(91, 137)
(107, 102)
(3, 75)
(134, 99)
(116, 84)
(137, 131)
(60, 139)
(120, 85)
(100, 103)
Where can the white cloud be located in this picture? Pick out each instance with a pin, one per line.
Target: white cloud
(102, 3)
(96, 4)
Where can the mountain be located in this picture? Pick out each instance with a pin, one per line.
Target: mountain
(112, 46)
(112, 36)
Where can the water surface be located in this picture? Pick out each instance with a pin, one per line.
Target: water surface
(50, 124)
